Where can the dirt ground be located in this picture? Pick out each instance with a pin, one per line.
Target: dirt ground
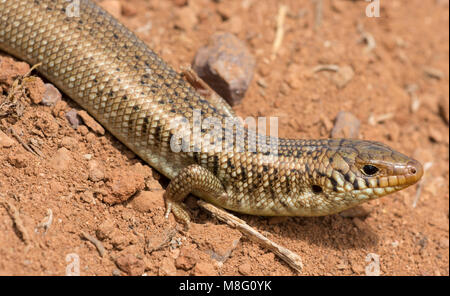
(56, 193)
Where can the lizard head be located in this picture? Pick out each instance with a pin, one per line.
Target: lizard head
(355, 171)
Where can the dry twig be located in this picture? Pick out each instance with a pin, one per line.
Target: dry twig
(292, 259)
(282, 11)
(25, 145)
(98, 244)
(18, 223)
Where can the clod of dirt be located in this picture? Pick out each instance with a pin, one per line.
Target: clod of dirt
(218, 246)
(35, 89)
(96, 171)
(187, 258)
(69, 143)
(130, 264)
(5, 141)
(204, 269)
(59, 109)
(147, 201)
(44, 123)
(122, 185)
(167, 267)
(343, 76)
(10, 70)
(19, 161)
(245, 269)
(293, 77)
(185, 18)
(61, 160)
(105, 230)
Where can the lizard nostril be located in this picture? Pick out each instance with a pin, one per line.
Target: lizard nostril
(415, 169)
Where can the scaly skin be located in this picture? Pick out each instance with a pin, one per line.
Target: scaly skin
(108, 71)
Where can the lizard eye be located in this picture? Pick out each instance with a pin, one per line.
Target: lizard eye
(370, 170)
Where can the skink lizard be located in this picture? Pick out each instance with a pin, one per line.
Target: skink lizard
(132, 92)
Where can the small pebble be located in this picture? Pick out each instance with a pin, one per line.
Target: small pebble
(96, 172)
(245, 269)
(129, 9)
(185, 18)
(343, 76)
(226, 65)
(123, 185)
(59, 109)
(91, 138)
(69, 143)
(357, 268)
(61, 160)
(346, 125)
(17, 160)
(51, 95)
(87, 197)
(83, 130)
(73, 118)
(293, 78)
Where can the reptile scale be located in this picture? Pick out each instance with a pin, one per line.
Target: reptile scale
(132, 92)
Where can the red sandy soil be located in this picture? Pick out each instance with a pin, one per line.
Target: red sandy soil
(404, 79)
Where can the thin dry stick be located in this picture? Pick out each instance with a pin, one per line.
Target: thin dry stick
(282, 11)
(318, 13)
(18, 224)
(333, 68)
(98, 244)
(25, 145)
(292, 259)
(374, 120)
